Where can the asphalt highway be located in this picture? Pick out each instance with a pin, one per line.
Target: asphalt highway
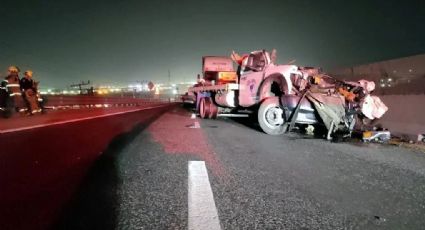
(44, 158)
(257, 181)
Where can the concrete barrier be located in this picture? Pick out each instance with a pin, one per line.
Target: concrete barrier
(405, 116)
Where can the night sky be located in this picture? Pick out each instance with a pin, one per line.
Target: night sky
(124, 41)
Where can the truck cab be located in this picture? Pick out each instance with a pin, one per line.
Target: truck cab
(259, 86)
(261, 78)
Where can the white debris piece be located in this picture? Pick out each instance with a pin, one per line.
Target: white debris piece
(372, 107)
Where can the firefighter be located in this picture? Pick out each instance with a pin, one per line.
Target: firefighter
(13, 79)
(27, 82)
(13, 87)
(29, 90)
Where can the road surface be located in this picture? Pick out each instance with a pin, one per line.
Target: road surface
(257, 181)
(44, 158)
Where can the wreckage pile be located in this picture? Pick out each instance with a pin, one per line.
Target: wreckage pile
(284, 96)
(340, 104)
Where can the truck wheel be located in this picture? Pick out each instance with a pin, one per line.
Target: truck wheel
(213, 110)
(204, 107)
(270, 116)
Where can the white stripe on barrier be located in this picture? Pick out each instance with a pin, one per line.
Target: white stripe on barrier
(76, 120)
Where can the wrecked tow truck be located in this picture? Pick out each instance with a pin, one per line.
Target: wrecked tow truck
(287, 96)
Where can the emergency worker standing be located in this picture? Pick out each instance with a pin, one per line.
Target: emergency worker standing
(14, 88)
(30, 91)
(27, 82)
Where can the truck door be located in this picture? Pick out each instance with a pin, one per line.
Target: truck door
(251, 77)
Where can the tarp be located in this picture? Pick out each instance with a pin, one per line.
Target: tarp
(330, 108)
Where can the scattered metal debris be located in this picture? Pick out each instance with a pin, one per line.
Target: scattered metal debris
(377, 136)
(421, 138)
(309, 130)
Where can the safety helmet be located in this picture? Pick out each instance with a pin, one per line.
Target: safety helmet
(28, 73)
(13, 69)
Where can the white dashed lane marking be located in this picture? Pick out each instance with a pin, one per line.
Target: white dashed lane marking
(202, 210)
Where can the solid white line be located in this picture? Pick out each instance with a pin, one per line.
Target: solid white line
(202, 210)
(74, 120)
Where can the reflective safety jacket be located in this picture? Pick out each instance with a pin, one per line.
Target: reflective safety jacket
(13, 86)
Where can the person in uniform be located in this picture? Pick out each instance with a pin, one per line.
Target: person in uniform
(29, 90)
(14, 88)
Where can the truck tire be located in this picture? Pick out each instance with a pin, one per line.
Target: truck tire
(270, 116)
(204, 107)
(213, 110)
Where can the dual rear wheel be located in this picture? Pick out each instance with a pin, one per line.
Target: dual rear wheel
(207, 108)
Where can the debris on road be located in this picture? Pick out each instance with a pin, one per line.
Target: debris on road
(377, 136)
(400, 142)
(309, 130)
(421, 138)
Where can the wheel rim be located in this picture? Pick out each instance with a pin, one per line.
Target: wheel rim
(274, 116)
